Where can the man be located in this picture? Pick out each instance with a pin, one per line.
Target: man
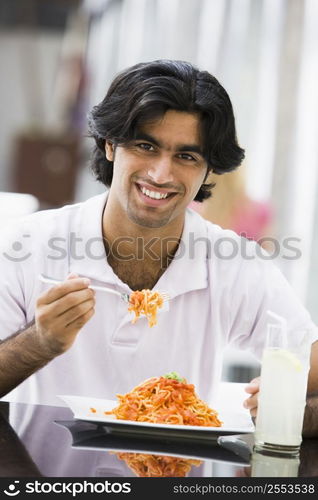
(162, 127)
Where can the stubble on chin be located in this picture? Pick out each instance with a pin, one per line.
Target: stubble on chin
(150, 222)
(147, 221)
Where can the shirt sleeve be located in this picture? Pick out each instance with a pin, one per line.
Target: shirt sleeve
(16, 256)
(260, 286)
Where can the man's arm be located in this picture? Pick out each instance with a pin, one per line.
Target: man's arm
(20, 356)
(310, 427)
(313, 372)
(60, 313)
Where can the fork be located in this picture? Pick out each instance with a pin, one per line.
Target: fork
(124, 296)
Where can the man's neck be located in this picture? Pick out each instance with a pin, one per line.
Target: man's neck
(139, 255)
(125, 236)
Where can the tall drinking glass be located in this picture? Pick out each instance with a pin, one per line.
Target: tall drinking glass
(283, 387)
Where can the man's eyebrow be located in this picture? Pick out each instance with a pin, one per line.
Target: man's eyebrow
(142, 136)
(194, 148)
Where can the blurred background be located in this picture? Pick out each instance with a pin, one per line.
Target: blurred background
(58, 57)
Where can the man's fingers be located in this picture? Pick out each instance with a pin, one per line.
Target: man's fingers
(54, 311)
(62, 289)
(255, 380)
(71, 301)
(62, 311)
(251, 404)
(72, 276)
(79, 322)
(76, 312)
(253, 386)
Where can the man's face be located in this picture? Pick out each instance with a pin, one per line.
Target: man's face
(160, 172)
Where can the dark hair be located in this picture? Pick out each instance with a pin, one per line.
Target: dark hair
(146, 91)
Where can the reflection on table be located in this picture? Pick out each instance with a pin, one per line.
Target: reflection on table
(45, 441)
(145, 465)
(265, 464)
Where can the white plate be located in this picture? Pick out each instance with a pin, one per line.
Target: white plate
(233, 422)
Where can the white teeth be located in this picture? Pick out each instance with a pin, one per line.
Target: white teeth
(154, 194)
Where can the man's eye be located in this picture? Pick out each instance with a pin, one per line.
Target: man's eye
(145, 146)
(186, 156)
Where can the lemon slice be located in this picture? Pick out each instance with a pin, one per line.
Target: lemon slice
(287, 356)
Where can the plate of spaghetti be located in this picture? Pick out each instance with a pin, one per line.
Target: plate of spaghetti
(166, 405)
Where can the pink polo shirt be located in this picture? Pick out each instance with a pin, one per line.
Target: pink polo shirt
(218, 296)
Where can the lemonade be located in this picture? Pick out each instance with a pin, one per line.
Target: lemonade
(282, 398)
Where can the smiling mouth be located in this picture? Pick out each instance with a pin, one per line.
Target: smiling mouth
(154, 194)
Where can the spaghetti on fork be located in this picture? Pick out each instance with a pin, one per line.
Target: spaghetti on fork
(145, 302)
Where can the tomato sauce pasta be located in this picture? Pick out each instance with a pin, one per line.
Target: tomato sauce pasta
(145, 302)
(165, 401)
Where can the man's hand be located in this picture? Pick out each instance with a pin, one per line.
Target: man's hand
(251, 403)
(62, 311)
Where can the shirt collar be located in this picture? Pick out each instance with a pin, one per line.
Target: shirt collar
(186, 272)
(188, 269)
(87, 254)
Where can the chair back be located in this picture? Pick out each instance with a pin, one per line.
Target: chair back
(13, 205)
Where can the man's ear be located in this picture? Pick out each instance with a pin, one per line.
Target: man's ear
(109, 149)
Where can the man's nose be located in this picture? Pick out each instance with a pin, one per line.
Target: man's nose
(161, 170)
